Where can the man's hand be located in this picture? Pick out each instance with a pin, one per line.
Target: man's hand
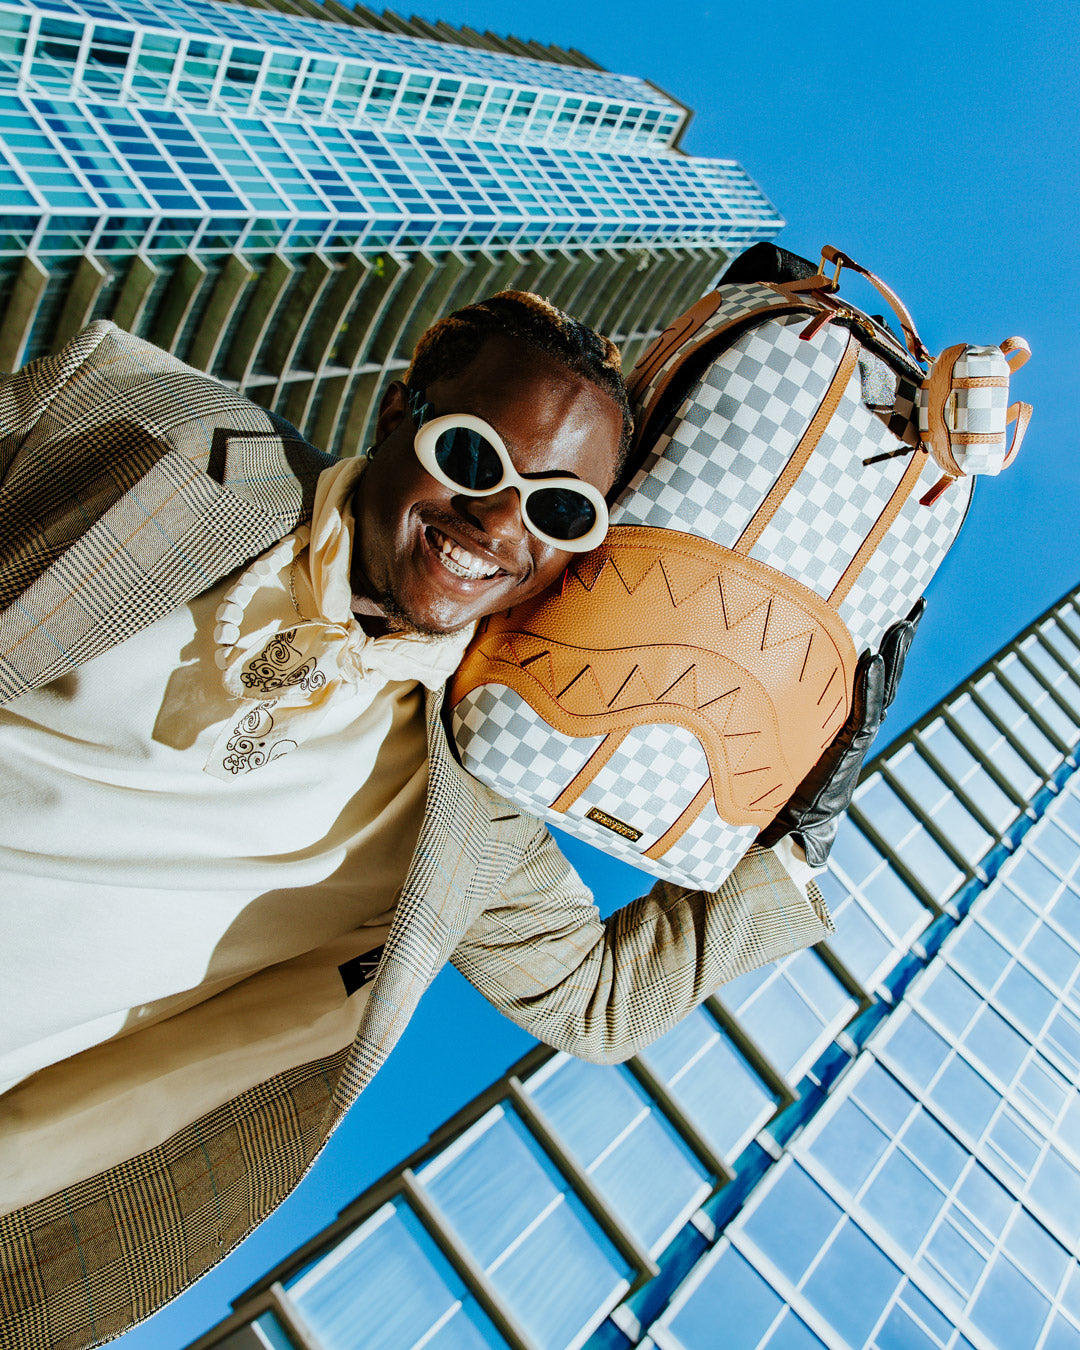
(813, 813)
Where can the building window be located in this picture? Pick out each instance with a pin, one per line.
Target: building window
(712, 1082)
(623, 1143)
(941, 1214)
(386, 1286)
(732, 1305)
(524, 1225)
(791, 1010)
(909, 838)
(969, 776)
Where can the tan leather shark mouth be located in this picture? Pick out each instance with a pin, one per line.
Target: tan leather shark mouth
(660, 626)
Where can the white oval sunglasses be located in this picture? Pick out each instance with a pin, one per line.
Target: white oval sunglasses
(466, 454)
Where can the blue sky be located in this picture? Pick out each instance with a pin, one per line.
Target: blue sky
(939, 145)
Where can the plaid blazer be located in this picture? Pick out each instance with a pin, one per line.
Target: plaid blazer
(129, 484)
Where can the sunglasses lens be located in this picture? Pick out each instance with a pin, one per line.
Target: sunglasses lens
(468, 459)
(562, 512)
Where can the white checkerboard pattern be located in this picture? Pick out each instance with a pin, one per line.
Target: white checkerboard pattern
(703, 858)
(912, 551)
(833, 504)
(646, 784)
(649, 781)
(708, 850)
(832, 508)
(747, 297)
(506, 744)
(735, 432)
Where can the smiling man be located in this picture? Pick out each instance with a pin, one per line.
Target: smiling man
(235, 845)
(437, 557)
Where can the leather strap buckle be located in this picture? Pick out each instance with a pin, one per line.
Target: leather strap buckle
(831, 283)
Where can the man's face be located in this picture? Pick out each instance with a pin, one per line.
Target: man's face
(549, 419)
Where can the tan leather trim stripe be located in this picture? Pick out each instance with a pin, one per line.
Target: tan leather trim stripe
(674, 336)
(893, 507)
(689, 346)
(675, 832)
(588, 771)
(806, 447)
(981, 382)
(907, 323)
(938, 391)
(1016, 352)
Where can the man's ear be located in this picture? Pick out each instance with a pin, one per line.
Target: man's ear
(392, 409)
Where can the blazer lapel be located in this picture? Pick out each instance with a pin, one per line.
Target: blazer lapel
(170, 536)
(449, 879)
(276, 474)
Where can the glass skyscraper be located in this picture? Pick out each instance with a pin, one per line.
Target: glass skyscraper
(874, 1143)
(286, 197)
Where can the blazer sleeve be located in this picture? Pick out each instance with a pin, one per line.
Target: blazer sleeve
(603, 988)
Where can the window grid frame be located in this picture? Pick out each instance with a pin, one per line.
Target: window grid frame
(801, 1153)
(1052, 735)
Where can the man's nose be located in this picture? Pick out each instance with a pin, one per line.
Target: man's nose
(498, 515)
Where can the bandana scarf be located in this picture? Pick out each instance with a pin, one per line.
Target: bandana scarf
(288, 674)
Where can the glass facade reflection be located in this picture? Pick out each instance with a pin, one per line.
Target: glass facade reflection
(287, 199)
(872, 1144)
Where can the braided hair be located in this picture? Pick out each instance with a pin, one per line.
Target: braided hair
(450, 344)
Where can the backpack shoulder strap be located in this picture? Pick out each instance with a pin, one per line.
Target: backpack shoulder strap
(698, 330)
(678, 332)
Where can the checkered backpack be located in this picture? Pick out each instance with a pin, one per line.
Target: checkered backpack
(799, 479)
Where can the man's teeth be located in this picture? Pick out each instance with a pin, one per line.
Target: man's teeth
(459, 560)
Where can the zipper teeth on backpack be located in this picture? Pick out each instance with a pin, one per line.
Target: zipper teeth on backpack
(881, 339)
(887, 345)
(859, 320)
(877, 339)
